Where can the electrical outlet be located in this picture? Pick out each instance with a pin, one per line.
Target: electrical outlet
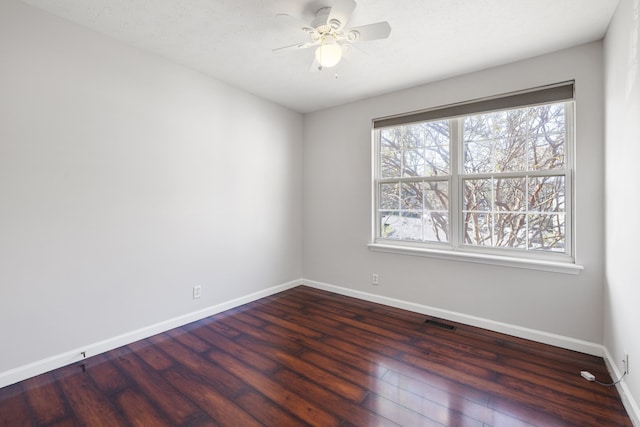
(197, 291)
(375, 279)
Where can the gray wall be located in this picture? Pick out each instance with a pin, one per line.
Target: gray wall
(125, 180)
(622, 291)
(337, 207)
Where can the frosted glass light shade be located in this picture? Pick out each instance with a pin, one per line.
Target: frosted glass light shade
(329, 53)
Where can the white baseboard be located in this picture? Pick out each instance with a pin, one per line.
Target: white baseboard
(517, 331)
(544, 337)
(57, 361)
(633, 410)
(20, 373)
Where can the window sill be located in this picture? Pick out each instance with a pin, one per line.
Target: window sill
(530, 264)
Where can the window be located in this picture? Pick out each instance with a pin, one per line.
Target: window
(492, 176)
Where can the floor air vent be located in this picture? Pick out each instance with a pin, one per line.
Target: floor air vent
(440, 325)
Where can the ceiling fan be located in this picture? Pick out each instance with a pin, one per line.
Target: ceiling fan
(327, 31)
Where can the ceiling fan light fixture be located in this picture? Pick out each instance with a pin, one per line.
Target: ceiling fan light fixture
(330, 36)
(329, 53)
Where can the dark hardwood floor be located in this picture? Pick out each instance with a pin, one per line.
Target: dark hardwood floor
(309, 357)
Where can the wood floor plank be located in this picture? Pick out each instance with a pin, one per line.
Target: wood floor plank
(445, 415)
(320, 375)
(294, 403)
(331, 402)
(216, 376)
(88, 403)
(267, 411)
(148, 352)
(105, 375)
(66, 422)
(44, 398)
(389, 363)
(310, 357)
(449, 397)
(242, 323)
(398, 413)
(179, 410)
(286, 324)
(14, 410)
(221, 408)
(244, 353)
(515, 410)
(441, 409)
(138, 411)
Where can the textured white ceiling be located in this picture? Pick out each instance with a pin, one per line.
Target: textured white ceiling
(232, 40)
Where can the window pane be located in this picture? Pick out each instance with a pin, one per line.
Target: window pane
(547, 232)
(547, 152)
(436, 211)
(510, 194)
(496, 155)
(414, 163)
(547, 194)
(483, 127)
(436, 196)
(436, 160)
(547, 119)
(503, 222)
(411, 226)
(436, 226)
(517, 140)
(389, 221)
(510, 230)
(412, 196)
(390, 164)
(413, 136)
(478, 157)
(437, 146)
(510, 154)
(423, 213)
(415, 150)
(477, 229)
(401, 225)
(389, 196)
(477, 194)
(390, 139)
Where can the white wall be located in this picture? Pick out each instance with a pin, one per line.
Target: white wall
(124, 181)
(622, 284)
(337, 208)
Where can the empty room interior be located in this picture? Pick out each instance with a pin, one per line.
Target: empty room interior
(319, 212)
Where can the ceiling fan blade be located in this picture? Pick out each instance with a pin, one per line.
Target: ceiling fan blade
(340, 13)
(290, 20)
(377, 31)
(301, 45)
(291, 46)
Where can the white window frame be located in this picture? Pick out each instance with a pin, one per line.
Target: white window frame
(455, 249)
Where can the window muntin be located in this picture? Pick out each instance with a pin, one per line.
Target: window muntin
(497, 181)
